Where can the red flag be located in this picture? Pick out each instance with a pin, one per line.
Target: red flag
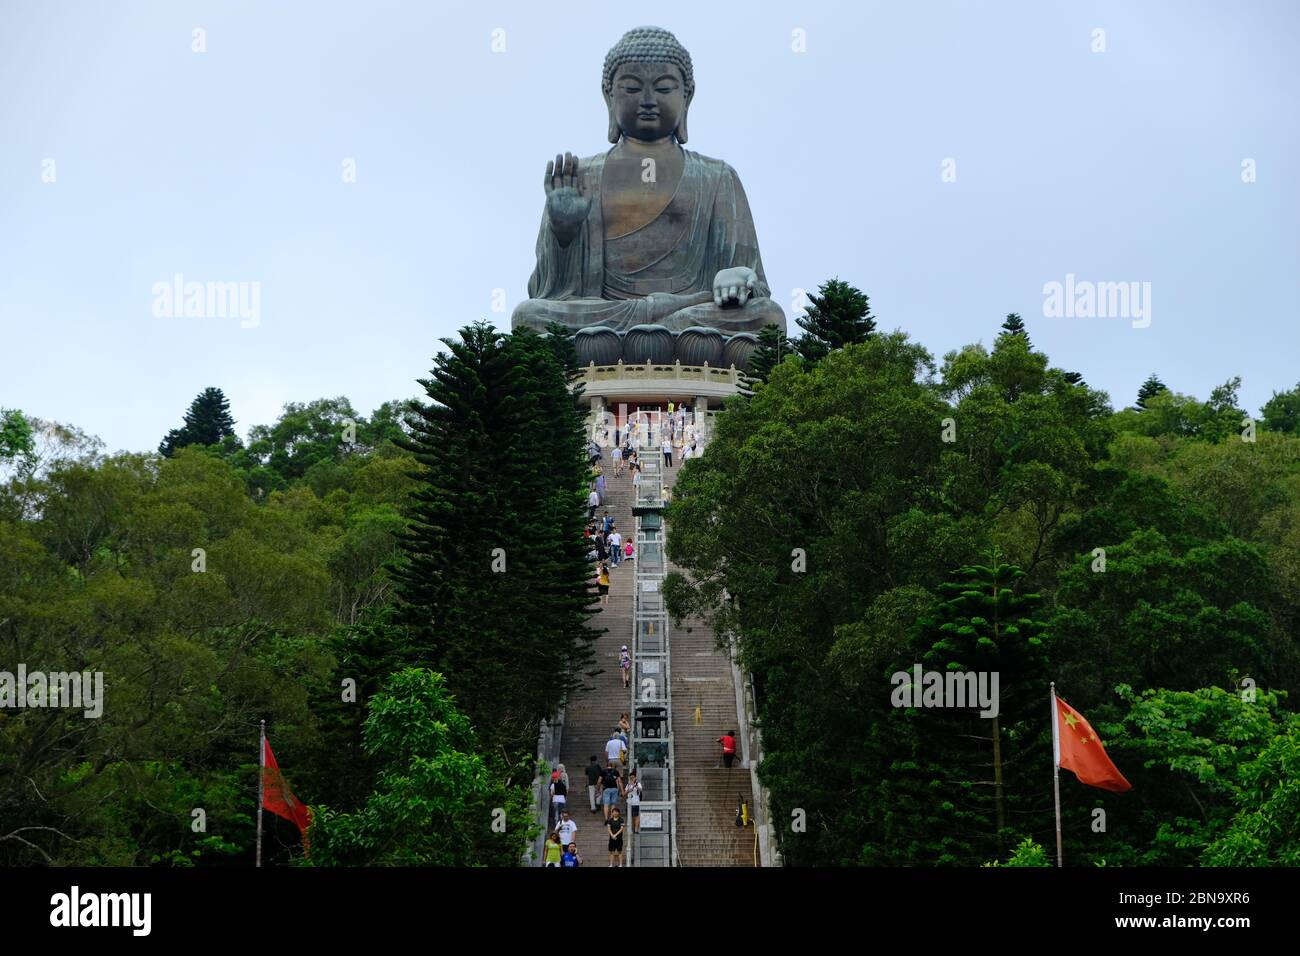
(278, 798)
(1080, 750)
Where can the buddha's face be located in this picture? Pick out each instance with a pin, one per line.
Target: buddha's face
(648, 99)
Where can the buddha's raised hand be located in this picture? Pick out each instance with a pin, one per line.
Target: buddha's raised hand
(734, 285)
(566, 206)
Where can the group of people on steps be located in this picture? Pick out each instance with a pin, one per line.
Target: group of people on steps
(607, 786)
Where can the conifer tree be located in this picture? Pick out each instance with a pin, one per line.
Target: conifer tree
(839, 315)
(494, 580)
(207, 422)
(1014, 325)
(560, 338)
(772, 347)
(983, 764)
(1150, 389)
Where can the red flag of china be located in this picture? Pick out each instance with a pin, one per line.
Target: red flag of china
(278, 798)
(1081, 751)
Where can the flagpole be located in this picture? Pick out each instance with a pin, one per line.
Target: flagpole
(261, 776)
(1056, 771)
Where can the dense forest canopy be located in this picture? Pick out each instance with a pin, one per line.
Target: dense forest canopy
(223, 582)
(989, 511)
(867, 510)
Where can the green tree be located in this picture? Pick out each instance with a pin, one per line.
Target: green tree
(560, 338)
(838, 315)
(16, 437)
(815, 504)
(983, 626)
(207, 422)
(1209, 769)
(1014, 325)
(1026, 853)
(1150, 388)
(308, 438)
(773, 346)
(1223, 415)
(1015, 368)
(1281, 413)
(435, 799)
(493, 580)
(1264, 831)
(1160, 618)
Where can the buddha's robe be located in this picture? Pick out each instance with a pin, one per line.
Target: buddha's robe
(659, 274)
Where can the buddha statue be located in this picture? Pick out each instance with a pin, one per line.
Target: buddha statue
(648, 252)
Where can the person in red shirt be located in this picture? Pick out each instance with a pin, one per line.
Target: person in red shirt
(728, 741)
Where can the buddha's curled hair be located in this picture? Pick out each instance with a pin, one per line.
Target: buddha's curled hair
(648, 45)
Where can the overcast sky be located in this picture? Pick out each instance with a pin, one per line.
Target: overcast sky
(128, 158)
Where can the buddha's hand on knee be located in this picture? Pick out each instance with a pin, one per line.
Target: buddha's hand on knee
(734, 286)
(566, 206)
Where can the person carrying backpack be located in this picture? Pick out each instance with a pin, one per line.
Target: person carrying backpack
(611, 788)
(559, 791)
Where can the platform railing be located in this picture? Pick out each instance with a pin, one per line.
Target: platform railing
(676, 372)
(651, 744)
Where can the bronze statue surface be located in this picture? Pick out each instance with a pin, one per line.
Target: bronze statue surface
(648, 251)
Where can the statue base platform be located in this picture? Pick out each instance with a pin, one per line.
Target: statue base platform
(612, 384)
(694, 347)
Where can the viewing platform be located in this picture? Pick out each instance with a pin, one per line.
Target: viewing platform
(698, 384)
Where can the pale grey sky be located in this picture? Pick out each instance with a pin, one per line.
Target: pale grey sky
(1122, 165)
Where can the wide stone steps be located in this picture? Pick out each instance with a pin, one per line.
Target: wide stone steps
(591, 714)
(707, 793)
(701, 678)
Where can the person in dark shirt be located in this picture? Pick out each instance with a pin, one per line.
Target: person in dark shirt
(560, 793)
(615, 827)
(593, 782)
(611, 789)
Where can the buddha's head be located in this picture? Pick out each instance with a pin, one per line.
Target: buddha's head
(648, 85)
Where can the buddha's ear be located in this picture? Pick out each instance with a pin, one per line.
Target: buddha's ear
(681, 123)
(614, 131)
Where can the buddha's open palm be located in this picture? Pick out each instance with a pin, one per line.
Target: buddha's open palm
(734, 286)
(566, 206)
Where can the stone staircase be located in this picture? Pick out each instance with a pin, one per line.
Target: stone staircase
(707, 793)
(590, 715)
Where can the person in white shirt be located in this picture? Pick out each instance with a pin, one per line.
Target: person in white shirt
(633, 793)
(593, 502)
(567, 828)
(615, 748)
(667, 448)
(616, 548)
